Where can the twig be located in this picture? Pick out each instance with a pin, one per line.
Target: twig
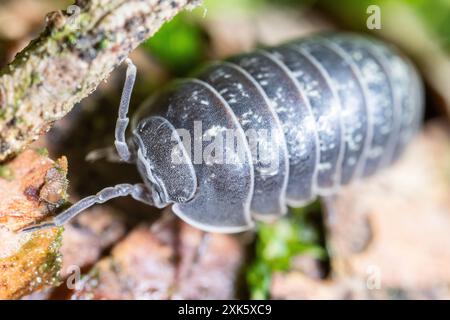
(69, 60)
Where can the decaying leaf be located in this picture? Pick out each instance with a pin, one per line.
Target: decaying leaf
(169, 260)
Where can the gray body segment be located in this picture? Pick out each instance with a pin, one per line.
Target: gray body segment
(326, 111)
(380, 100)
(408, 96)
(263, 131)
(298, 124)
(337, 106)
(352, 102)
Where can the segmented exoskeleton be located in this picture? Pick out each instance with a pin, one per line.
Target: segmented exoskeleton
(336, 107)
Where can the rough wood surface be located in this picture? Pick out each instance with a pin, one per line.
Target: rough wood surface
(31, 187)
(68, 61)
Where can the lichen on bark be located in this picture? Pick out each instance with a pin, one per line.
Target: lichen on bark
(69, 60)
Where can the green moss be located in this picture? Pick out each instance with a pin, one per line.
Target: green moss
(20, 91)
(42, 151)
(6, 173)
(435, 16)
(68, 30)
(233, 5)
(258, 278)
(35, 78)
(20, 120)
(103, 44)
(179, 44)
(34, 266)
(72, 39)
(47, 272)
(277, 243)
(52, 42)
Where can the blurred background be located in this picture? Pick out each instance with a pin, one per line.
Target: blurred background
(387, 238)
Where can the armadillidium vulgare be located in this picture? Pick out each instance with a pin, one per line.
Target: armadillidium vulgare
(333, 108)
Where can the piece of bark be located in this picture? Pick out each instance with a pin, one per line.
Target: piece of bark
(31, 187)
(68, 61)
(84, 242)
(389, 236)
(169, 260)
(33, 265)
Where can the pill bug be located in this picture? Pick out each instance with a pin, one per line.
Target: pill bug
(336, 107)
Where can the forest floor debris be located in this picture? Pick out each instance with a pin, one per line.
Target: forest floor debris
(167, 260)
(388, 237)
(33, 187)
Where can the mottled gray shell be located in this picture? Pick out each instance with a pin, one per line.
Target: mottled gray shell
(338, 106)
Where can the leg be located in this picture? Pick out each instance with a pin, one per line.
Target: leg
(108, 153)
(137, 191)
(122, 120)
